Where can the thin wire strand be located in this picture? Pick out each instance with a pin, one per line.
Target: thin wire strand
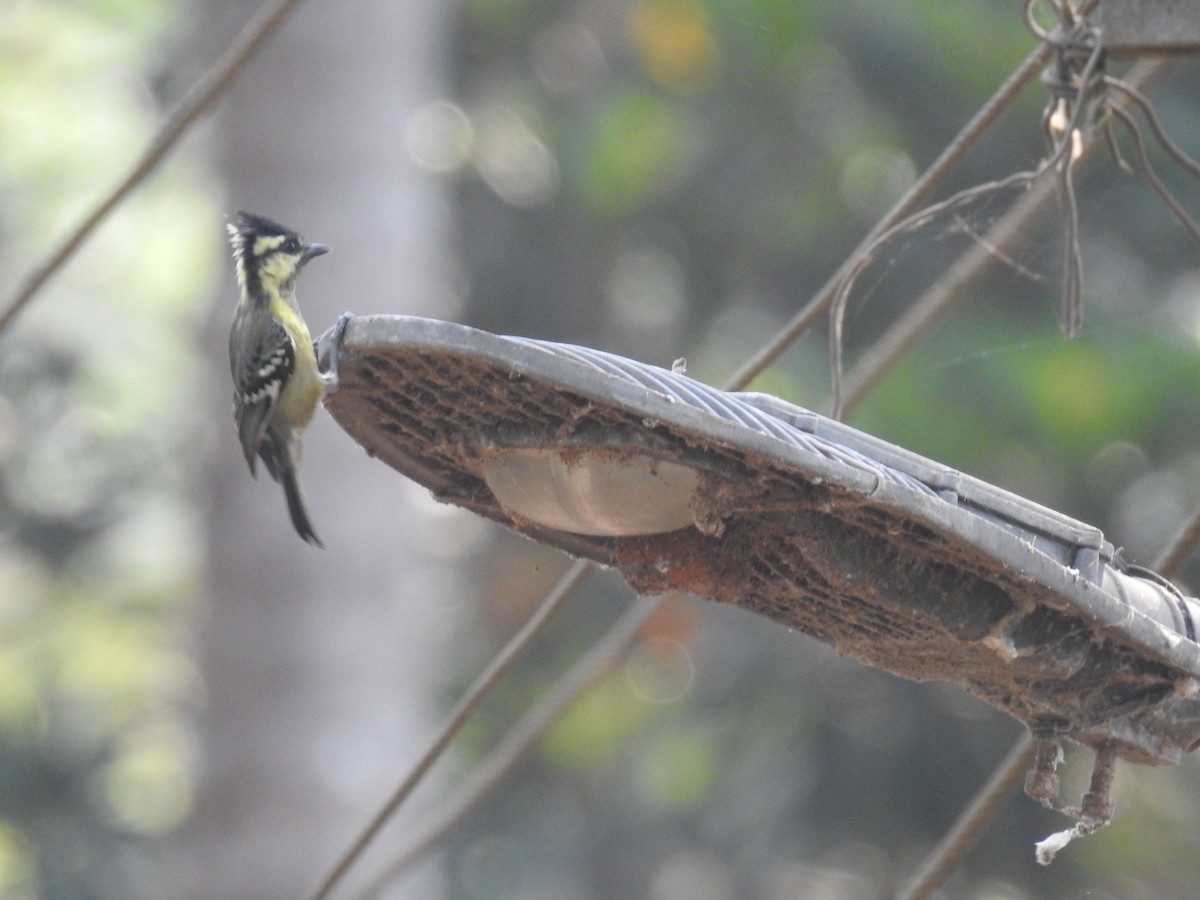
(1186, 222)
(921, 316)
(968, 828)
(899, 338)
(1070, 314)
(867, 256)
(1130, 90)
(212, 85)
(970, 134)
(1061, 157)
(600, 658)
(459, 715)
(1071, 307)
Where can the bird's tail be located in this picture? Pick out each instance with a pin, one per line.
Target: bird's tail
(295, 505)
(280, 457)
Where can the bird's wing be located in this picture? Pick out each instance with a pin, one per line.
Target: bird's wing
(259, 375)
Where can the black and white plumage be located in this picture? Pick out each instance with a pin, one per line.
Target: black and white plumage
(277, 383)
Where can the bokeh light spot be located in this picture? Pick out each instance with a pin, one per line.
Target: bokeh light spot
(661, 671)
(439, 136)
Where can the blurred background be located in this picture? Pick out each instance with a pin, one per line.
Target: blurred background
(194, 703)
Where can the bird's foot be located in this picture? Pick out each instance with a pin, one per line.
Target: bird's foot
(329, 347)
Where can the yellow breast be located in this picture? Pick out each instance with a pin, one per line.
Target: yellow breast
(299, 397)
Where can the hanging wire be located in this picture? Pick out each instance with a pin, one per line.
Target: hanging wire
(923, 187)
(1186, 222)
(1075, 80)
(1077, 83)
(1080, 104)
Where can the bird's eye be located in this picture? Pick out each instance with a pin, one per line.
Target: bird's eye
(291, 245)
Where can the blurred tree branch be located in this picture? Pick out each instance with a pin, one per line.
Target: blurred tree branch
(206, 92)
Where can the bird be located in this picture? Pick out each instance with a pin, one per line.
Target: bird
(277, 382)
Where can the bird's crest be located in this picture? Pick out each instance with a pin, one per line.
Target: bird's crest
(252, 237)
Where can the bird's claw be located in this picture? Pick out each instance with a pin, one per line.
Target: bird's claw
(329, 346)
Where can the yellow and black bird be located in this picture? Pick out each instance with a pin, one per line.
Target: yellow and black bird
(277, 383)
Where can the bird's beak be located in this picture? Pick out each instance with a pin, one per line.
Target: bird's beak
(313, 250)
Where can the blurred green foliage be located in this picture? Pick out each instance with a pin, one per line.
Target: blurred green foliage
(100, 537)
(595, 727)
(633, 151)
